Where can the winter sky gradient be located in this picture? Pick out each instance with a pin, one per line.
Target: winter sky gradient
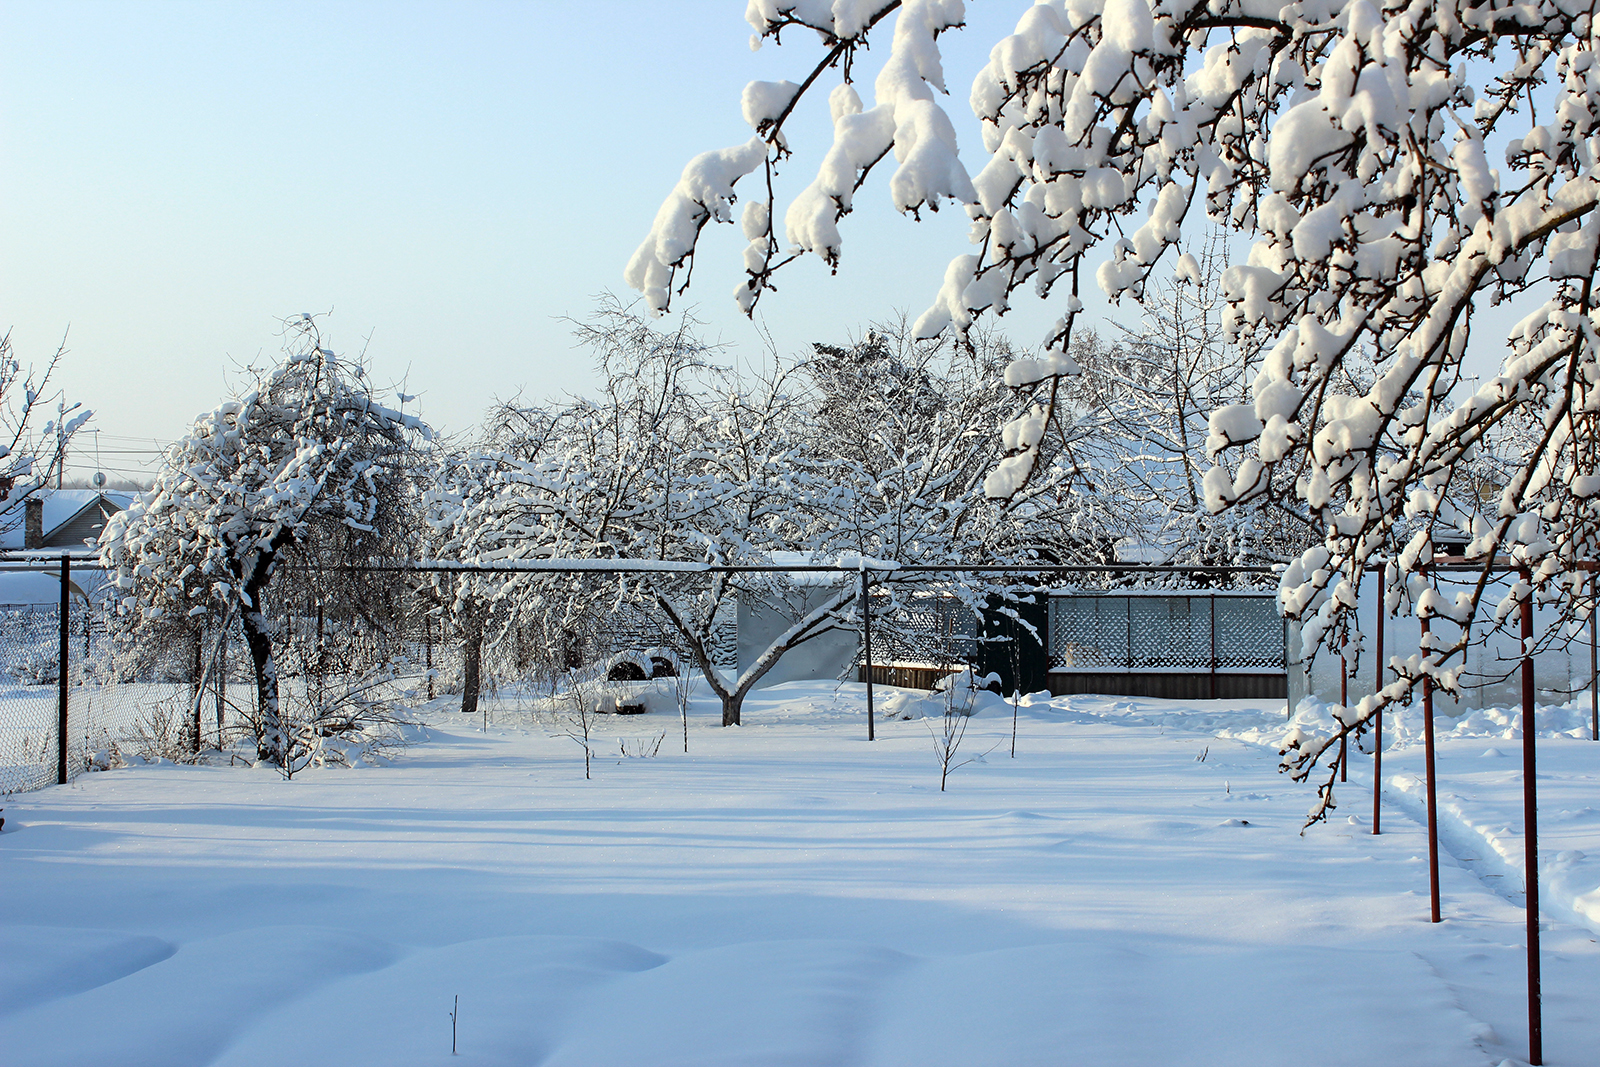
(450, 179)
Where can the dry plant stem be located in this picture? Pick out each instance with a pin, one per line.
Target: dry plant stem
(683, 685)
(1016, 687)
(579, 724)
(948, 739)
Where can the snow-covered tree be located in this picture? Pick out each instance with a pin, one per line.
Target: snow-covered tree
(679, 461)
(907, 427)
(489, 504)
(30, 452)
(306, 467)
(1350, 141)
(1144, 398)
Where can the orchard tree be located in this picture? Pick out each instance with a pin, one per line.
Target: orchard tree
(489, 504)
(307, 467)
(1350, 143)
(682, 463)
(1145, 395)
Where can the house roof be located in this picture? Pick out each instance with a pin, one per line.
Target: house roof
(61, 507)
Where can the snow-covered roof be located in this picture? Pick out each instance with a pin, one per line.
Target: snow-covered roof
(61, 506)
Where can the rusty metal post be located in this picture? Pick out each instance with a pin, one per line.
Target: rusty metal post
(1377, 734)
(1530, 827)
(62, 663)
(1344, 701)
(1433, 803)
(866, 647)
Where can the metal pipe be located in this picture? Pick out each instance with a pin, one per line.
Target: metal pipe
(1530, 827)
(647, 566)
(1377, 735)
(62, 663)
(1433, 803)
(866, 647)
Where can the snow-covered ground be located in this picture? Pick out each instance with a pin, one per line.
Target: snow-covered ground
(1131, 889)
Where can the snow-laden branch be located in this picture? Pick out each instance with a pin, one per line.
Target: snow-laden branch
(1397, 169)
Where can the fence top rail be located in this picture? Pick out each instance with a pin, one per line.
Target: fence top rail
(615, 566)
(618, 566)
(39, 560)
(1165, 594)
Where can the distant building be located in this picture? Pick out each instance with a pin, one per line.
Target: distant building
(67, 519)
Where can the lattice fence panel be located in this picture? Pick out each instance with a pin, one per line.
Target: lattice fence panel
(1169, 633)
(1250, 634)
(1165, 633)
(924, 631)
(1089, 633)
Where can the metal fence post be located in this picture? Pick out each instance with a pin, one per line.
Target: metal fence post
(62, 663)
(1377, 735)
(1433, 803)
(866, 646)
(1530, 827)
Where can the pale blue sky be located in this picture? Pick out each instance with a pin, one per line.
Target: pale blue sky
(450, 179)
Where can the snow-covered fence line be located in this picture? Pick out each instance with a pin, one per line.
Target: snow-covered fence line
(928, 619)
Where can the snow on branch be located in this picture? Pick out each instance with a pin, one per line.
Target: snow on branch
(1397, 169)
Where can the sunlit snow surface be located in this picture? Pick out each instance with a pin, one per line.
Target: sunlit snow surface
(788, 894)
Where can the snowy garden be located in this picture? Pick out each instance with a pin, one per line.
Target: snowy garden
(1131, 888)
(1212, 685)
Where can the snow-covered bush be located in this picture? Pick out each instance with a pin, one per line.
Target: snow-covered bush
(36, 667)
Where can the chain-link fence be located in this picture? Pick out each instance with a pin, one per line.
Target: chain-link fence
(99, 701)
(527, 654)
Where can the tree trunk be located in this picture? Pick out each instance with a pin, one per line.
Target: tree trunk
(471, 670)
(199, 675)
(271, 743)
(733, 700)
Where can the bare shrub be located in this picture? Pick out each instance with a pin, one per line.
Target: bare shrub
(641, 747)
